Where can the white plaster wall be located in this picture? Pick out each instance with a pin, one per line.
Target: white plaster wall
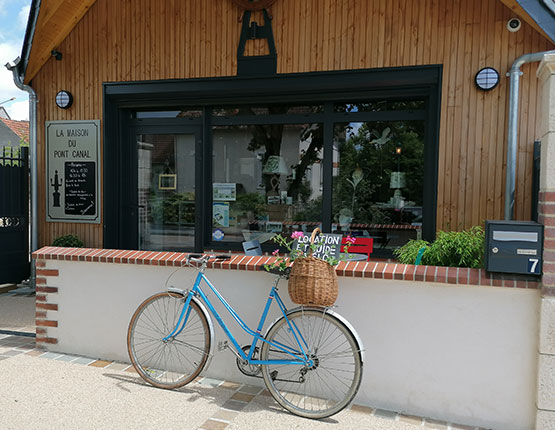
(462, 354)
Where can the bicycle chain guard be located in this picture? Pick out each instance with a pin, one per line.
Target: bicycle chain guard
(244, 366)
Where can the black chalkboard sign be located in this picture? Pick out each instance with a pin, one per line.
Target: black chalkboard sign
(80, 192)
(328, 245)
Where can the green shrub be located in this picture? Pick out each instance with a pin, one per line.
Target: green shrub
(452, 249)
(407, 253)
(68, 241)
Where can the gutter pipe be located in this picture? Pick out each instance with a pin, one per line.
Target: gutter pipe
(512, 132)
(18, 68)
(18, 80)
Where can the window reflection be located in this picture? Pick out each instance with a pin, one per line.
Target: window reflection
(166, 191)
(267, 179)
(378, 180)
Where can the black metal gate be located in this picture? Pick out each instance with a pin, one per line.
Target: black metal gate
(14, 214)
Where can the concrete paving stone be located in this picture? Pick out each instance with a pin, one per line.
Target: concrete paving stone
(100, 363)
(234, 405)
(389, 415)
(214, 425)
(16, 343)
(8, 341)
(118, 366)
(36, 352)
(8, 346)
(250, 389)
(266, 393)
(413, 419)
(26, 346)
(15, 338)
(230, 385)
(12, 353)
(209, 382)
(461, 427)
(362, 409)
(435, 424)
(67, 358)
(243, 397)
(51, 355)
(224, 415)
(83, 360)
(131, 369)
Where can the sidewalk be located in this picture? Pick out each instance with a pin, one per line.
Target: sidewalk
(44, 390)
(17, 309)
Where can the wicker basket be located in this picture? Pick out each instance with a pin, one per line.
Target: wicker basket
(313, 281)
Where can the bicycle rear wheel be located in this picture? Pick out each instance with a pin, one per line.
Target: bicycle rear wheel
(331, 383)
(174, 362)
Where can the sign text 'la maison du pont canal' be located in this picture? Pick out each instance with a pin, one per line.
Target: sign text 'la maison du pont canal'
(73, 171)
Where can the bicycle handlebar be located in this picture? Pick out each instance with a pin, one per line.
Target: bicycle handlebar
(201, 259)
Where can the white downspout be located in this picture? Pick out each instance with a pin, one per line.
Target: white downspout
(512, 132)
(18, 80)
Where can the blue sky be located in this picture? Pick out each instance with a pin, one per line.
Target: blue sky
(13, 20)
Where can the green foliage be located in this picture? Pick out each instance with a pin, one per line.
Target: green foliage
(68, 241)
(407, 253)
(312, 211)
(452, 249)
(172, 207)
(250, 202)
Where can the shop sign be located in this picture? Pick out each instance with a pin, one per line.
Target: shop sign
(73, 171)
(328, 245)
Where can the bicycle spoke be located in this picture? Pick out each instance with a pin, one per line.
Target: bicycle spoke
(177, 360)
(331, 380)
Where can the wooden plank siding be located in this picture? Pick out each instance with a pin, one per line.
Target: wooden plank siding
(139, 40)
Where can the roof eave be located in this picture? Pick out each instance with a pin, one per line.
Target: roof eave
(541, 15)
(28, 40)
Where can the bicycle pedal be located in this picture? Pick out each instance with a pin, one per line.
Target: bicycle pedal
(222, 345)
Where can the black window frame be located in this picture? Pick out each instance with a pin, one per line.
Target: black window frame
(121, 99)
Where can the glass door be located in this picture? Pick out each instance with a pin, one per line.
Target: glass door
(167, 197)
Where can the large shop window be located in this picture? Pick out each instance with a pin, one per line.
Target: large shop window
(269, 178)
(354, 168)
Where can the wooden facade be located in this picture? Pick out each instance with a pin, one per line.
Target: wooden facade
(177, 39)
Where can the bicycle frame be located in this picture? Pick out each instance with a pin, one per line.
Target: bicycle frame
(298, 356)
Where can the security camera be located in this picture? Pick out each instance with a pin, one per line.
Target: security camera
(513, 25)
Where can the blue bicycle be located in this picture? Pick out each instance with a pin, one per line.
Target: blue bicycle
(310, 358)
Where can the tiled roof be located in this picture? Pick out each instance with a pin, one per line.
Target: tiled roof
(21, 128)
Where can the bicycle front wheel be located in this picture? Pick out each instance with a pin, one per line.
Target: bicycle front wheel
(174, 362)
(331, 382)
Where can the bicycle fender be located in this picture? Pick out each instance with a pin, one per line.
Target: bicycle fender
(208, 318)
(332, 313)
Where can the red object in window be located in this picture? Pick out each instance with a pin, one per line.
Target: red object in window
(362, 245)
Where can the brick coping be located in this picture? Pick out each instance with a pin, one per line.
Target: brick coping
(370, 269)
